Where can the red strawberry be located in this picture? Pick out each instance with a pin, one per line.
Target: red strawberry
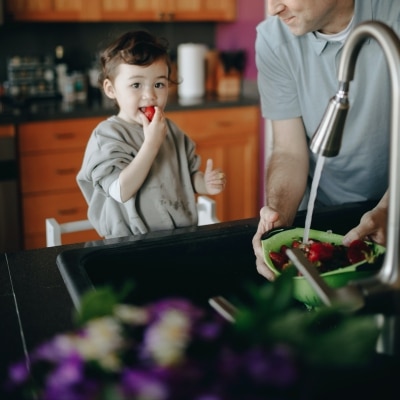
(149, 112)
(283, 249)
(296, 244)
(358, 251)
(320, 251)
(279, 259)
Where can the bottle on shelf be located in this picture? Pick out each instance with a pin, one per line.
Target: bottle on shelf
(61, 69)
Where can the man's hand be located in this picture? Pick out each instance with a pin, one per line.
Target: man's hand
(372, 226)
(269, 219)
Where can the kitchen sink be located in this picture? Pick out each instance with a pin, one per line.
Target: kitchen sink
(197, 263)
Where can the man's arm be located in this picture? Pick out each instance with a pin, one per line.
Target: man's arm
(286, 181)
(287, 169)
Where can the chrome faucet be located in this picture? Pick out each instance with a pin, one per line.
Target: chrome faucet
(327, 140)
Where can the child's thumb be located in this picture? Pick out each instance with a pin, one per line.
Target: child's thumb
(209, 165)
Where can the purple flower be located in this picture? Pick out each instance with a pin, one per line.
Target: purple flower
(68, 381)
(157, 309)
(275, 366)
(143, 385)
(177, 352)
(59, 348)
(210, 330)
(19, 372)
(257, 368)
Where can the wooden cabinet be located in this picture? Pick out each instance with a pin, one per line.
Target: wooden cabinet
(46, 10)
(167, 10)
(51, 155)
(121, 10)
(230, 136)
(199, 10)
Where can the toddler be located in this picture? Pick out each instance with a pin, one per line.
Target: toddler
(140, 172)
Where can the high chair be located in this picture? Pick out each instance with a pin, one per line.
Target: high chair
(206, 208)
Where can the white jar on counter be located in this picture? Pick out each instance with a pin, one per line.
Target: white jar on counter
(191, 70)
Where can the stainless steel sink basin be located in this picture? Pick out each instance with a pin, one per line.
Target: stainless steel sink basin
(197, 263)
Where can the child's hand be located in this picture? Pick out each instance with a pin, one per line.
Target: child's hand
(156, 129)
(214, 179)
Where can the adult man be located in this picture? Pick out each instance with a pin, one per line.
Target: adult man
(298, 49)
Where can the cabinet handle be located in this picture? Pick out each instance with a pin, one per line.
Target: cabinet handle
(224, 124)
(65, 135)
(68, 211)
(66, 171)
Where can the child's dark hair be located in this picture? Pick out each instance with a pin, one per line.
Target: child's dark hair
(135, 48)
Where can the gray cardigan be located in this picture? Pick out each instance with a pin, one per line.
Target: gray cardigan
(166, 199)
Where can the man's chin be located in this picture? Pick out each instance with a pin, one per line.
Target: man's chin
(297, 31)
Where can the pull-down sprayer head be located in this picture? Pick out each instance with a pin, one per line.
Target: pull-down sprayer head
(328, 137)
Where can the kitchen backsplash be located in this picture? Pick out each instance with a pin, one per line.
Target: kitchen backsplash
(82, 41)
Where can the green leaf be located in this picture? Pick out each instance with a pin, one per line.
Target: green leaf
(100, 303)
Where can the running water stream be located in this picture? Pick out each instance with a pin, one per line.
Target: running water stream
(313, 195)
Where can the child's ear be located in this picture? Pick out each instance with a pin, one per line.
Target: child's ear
(108, 89)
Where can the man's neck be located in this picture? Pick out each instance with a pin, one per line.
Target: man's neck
(343, 14)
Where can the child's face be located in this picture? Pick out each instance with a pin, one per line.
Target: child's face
(136, 87)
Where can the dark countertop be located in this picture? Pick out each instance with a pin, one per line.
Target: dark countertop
(43, 110)
(34, 301)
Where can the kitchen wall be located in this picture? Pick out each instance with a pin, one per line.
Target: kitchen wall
(241, 34)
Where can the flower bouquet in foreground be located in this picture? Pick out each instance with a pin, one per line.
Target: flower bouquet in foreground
(173, 349)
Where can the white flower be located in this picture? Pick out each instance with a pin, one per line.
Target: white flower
(131, 314)
(101, 341)
(166, 339)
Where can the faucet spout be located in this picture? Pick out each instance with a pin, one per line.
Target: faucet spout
(326, 140)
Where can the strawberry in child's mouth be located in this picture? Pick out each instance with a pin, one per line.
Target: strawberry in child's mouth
(148, 111)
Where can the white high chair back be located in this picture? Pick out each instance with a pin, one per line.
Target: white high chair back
(206, 208)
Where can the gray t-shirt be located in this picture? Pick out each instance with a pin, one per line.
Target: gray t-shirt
(297, 75)
(166, 199)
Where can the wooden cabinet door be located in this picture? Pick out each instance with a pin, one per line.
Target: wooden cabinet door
(128, 10)
(230, 136)
(50, 156)
(202, 10)
(64, 206)
(122, 10)
(45, 136)
(45, 10)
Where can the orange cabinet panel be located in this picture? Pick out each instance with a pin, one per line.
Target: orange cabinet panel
(55, 135)
(50, 171)
(121, 10)
(64, 206)
(50, 156)
(230, 136)
(46, 10)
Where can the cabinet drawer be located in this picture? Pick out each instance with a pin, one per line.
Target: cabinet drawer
(206, 124)
(56, 135)
(64, 207)
(49, 172)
